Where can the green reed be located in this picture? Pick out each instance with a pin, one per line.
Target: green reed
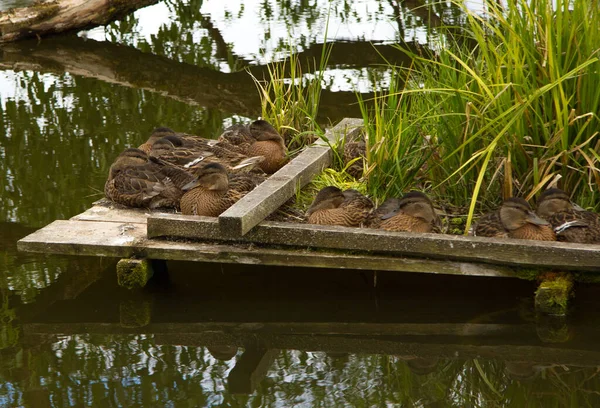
(290, 96)
(507, 106)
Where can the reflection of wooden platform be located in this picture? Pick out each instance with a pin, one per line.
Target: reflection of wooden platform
(239, 235)
(516, 342)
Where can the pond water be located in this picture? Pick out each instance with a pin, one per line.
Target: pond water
(223, 335)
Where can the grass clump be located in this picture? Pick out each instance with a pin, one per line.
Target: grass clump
(506, 108)
(290, 98)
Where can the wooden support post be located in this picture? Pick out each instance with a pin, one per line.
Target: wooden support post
(552, 328)
(134, 313)
(134, 273)
(552, 296)
(250, 369)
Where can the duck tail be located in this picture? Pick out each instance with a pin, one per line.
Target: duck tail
(249, 163)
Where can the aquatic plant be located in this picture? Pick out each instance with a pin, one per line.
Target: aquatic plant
(506, 106)
(290, 97)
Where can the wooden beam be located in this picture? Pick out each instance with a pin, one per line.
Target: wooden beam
(123, 240)
(108, 213)
(516, 252)
(46, 17)
(281, 186)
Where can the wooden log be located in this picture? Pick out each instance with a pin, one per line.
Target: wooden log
(250, 369)
(47, 17)
(123, 240)
(516, 252)
(277, 189)
(232, 92)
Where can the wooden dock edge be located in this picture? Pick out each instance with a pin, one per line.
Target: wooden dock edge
(281, 186)
(524, 253)
(125, 240)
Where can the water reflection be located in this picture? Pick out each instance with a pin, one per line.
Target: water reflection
(234, 344)
(215, 335)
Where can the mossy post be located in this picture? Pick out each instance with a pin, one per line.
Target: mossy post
(553, 293)
(553, 328)
(134, 313)
(134, 273)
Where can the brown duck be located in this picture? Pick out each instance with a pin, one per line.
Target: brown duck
(156, 134)
(571, 223)
(172, 149)
(213, 191)
(136, 180)
(514, 219)
(259, 138)
(414, 212)
(333, 206)
(354, 153)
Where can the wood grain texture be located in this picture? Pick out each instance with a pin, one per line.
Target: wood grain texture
(48, 17)
(558, 255)
(281, 186)
(123, 240)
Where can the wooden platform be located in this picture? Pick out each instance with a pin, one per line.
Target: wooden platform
(240, 235)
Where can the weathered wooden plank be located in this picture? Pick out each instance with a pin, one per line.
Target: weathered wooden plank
(109, 214)
(277, 189)
(475, 249)
(123, 240)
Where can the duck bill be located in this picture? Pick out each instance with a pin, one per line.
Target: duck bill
(192, 184)
(577, 207)
(532, 218)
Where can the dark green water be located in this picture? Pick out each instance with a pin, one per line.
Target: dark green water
(70, 337)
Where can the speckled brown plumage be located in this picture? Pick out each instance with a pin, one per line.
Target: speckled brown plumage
(171, 149)
(144, 183)
(156, 134)
(259, 138)
(355, 150)
(213, 190)
(514, 219)
(334, 207)
(570, 222)
(414, 212)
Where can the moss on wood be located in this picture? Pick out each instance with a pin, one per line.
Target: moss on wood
(552, 296)
(134, 273)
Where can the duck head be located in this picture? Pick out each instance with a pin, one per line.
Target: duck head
(166, 144)
(211, 176)
(418, 205)
(555, 200)
(328, 198)
(131, 157)
(516, 212)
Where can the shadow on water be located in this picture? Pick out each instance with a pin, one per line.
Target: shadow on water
(238, 335)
